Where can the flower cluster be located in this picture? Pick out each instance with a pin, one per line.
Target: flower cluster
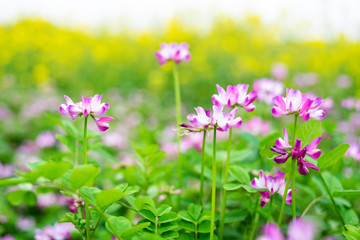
(204, 120)
(235, 96)
(60, 231)
(271, 185)
(173, 51)
(299, 104)
(285, 150)
(89, 106)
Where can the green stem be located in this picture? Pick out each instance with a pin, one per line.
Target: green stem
(226, 176)
(256, 219)
(293, 175)
(310, 205)
(270, 209)
(178, 122)
(76, 153)
(290, 176)
(87, 211)
(213, 192)
(201, 200)
(332, 200)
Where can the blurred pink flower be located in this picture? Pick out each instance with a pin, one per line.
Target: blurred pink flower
(45, 140)
(257, 126)
(6, 170)
(191, 141)
(353, 151)
(298, 229)
(5, 113)
(173, 51)
(7, 237)
(279, 71)
(306, 79)
(25, 223)
(46, 200)
(89, 106)
(60, 231)
(266, 89)
(344, 81)
(272, 185)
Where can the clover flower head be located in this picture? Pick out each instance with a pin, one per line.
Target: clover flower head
(298, 103)
(199, 122)
(271, 185)
(224, 121)
(89, 106)
(173, 51)
(235, 96)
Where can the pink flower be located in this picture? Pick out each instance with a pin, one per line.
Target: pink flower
(173, 51)
(306, 79)
(298, 103)
(198, 123)
(6, 170)
(272, 185)
(224, 121)
(353, 151)
(257, 126)
(266, 89)
(282, 147)
(279, 71)
(7, 237)
(235, 96)
(45, 140)
(309, 150)
(89, 106)
(298, 229)
(60, 231)
(25, 223)
(344, 81)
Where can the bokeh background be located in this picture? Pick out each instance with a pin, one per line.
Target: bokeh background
(53, 48)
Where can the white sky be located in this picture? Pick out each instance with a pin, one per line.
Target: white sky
(309, 18)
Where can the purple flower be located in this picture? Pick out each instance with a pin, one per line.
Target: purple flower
(7, 237)
(298, 103)
(266, 89)
(60, 231)
(306, 79)
(344, 81)
(271, 185)
(279, 71)
(6, 170)
(25, 223)
(282, 147)
(89, 106)
(298, 229)
(173, 51)
(235, 96)
(353, 151)
(309, 150)
(224, 121)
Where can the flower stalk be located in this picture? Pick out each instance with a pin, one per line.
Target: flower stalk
(224, 193)
(293, 174)
(87, 211)
(201, 200)
(213, 192)
(178, 122)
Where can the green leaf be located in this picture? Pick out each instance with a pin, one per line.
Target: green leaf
(332, 181)
(269, 138)
(83, 175)
(12, 181)
(170, 235)
(346, 193)
(235, 186)
(350, 217)
(266, 152)
(240, 174)
(147, 214)
(236, 215)
(18, 197)
(204, 227)
(167, 217)
(163, 209)
(352, 233)
(308, 131)
(89, 193)
(186, 216)
(187, 225)
(186, 236)
(127, 233)
(107, 197)
(117, 225)
(194, 211)
(167, 227)
(67, 141)
(332, 157)
(53, 170)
